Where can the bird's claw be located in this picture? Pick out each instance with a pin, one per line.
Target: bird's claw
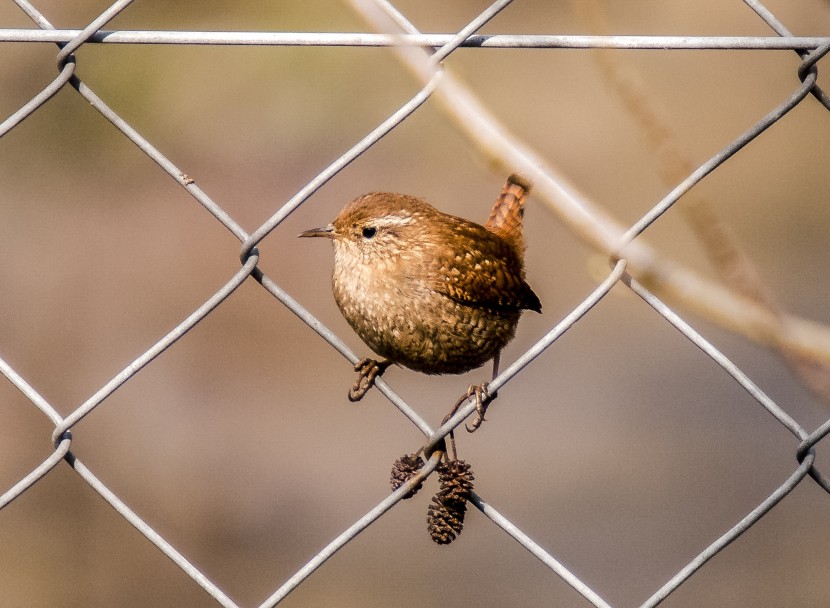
(367, 370)
(482, 398)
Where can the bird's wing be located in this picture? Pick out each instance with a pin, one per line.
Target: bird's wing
(487, 273)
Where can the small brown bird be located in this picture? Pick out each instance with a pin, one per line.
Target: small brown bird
(430, 291)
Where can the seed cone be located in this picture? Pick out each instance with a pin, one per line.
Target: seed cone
(445, 516)
(403, 470)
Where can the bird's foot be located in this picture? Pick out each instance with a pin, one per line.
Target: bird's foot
(482, 399)
(367, 370)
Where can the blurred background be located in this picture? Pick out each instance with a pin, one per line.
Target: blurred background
(623, 450)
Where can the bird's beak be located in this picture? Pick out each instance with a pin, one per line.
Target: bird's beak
(327, 232)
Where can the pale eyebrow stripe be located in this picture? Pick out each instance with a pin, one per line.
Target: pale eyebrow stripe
(394, 220)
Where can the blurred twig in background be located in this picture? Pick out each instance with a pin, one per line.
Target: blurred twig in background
(734, 268)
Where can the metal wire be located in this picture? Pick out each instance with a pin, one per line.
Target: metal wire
(492, 41)
(619, 243)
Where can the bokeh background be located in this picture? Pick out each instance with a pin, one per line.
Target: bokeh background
(623, 450)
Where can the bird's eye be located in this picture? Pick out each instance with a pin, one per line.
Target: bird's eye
(369, 232)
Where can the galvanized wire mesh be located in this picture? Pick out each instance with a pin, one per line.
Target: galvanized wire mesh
(634, 266)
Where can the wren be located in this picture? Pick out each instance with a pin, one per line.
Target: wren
(436, 293)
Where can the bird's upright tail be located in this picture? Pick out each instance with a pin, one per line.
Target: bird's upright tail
(508, 210)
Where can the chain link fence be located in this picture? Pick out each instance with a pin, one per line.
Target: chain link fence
(736, 299)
